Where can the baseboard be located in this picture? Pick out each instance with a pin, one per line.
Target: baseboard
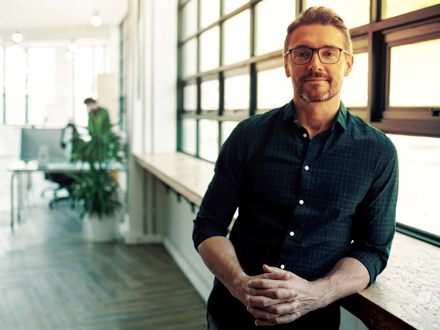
(130, 238)
(199, 284)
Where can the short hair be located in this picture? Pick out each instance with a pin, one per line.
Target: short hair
(319, 15)
(89, 100)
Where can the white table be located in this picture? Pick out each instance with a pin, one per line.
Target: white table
(20, 167)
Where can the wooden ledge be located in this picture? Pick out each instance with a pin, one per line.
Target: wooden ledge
(405, 296)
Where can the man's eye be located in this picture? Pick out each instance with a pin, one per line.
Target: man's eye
(330, 53)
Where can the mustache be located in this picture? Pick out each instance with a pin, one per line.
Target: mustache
(316, 75)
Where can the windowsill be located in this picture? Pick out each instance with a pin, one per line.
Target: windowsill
(405, 296)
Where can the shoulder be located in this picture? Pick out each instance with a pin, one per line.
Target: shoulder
(369, 137)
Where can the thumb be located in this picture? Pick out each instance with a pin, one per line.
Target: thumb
(275, 270)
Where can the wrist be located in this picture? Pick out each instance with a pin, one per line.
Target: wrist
(323, 291)
(238, 283)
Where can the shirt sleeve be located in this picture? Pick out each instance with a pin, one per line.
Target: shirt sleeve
(221, 198)
(375, 223)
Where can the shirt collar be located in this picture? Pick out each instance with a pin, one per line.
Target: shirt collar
(341, 117)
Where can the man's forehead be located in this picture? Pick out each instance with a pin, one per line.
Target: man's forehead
(316, 35)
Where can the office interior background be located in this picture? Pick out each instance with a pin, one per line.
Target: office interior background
(178, 75)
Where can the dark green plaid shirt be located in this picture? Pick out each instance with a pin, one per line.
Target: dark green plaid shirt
(303, 204)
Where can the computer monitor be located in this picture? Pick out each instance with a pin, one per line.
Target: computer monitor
(44, 145)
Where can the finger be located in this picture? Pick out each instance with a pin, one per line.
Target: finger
(265, 302)
(272, 311)
(259, 283)
(283, 319)
(272, 294)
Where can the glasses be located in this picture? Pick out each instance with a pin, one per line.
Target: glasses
(327, 55)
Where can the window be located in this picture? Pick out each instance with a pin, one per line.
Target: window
(15, 85)
(35, 93)
(270, 32)
(232, 68)
(41, 83)
(354, 13)
(419, 171)
(397, 7)
(236, 38)
(422, 94)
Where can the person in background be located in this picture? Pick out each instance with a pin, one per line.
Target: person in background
(96, 111)
(316, 189)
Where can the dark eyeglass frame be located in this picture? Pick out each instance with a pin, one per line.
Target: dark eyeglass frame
(317, 52)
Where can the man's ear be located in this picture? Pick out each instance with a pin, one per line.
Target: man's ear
(286, 66)
(349, 65)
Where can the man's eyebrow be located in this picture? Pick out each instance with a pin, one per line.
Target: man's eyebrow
(307, 46)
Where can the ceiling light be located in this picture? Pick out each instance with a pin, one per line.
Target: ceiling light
(72, 47)
(17, 37)
(96, 20)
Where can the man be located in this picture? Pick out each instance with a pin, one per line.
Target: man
(316, 189)
(95, 112)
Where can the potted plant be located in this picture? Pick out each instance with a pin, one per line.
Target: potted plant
(96, 190)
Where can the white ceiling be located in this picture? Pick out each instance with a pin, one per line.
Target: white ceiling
(29, 16)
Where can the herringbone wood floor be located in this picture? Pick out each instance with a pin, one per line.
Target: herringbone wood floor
(51, 279)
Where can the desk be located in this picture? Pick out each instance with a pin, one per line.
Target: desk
(19, 168)
(405, 296)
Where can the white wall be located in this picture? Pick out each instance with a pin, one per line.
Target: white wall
(151, 99)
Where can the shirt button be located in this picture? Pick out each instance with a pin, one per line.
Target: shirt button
(301, 202)
(304, 135)
(282, 266)
(306, 168)
(292, 233)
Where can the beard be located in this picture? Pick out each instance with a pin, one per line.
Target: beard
(310, 95)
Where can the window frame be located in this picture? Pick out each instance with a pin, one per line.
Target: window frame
(376, 38)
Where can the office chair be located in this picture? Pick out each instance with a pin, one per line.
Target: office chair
(64, 181)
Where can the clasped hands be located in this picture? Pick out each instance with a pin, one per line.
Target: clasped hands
(277, 296)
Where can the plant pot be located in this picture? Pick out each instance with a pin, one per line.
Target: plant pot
(99, 230)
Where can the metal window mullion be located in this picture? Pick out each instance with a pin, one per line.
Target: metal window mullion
(26, 87)
(4, 85)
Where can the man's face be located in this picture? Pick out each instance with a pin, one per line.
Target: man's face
(315, 81)
(92, 107)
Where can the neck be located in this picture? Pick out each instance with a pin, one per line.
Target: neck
(316, 117)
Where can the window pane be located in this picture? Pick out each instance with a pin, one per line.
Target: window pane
(190, 98)
(189, 135)
(231, 5)
(209, 49)
(354, 13)
(189, 54)
(397, 7)
(236, 38)
(405, 67)
(274, 89)
(208, 139)
(209, 12)
(83, 83)
(15, 85)
(227, 128)
(270, 32)
(354, 91)
(237, 92)
(189, 19)
(2, 55)
(419, 179)
(209, 95)
(41, 82)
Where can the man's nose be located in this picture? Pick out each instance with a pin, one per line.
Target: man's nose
(315, 63)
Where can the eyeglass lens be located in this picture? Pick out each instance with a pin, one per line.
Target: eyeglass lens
(327, 55)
